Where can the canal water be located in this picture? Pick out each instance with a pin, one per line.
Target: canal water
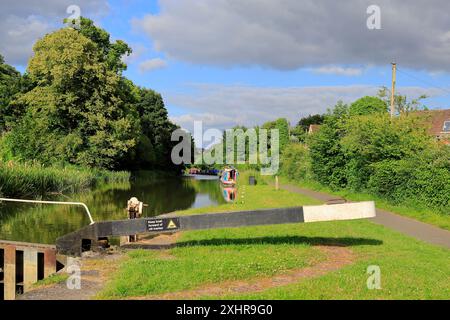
(45, 223)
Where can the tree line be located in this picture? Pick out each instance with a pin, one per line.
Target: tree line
(73, 105)
(359, 147)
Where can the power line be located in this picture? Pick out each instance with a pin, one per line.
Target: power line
(423, 81)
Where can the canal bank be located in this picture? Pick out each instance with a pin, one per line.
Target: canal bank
(161, 194)
(255, 256)
(247, 263)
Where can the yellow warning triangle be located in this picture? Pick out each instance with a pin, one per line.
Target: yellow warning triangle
(171, 225)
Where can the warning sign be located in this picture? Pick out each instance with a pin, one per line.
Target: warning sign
(164, 224)
(171, 225)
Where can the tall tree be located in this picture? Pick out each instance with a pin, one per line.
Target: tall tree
(9, 86)
(401, 102)
(155, 145)
(75, 113)
(368, 105)
(111, 52)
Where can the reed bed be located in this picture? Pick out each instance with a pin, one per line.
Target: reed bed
(34, 180)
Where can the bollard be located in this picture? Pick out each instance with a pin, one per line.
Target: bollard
(277, 184)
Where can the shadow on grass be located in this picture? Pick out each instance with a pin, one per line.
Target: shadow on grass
(313, 241)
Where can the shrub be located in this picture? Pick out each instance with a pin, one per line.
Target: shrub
(295, 162)
(412, 181)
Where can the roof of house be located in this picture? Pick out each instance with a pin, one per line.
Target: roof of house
(437, 119)
(314, 128)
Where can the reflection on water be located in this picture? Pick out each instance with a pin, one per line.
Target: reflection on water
(45, 223)
(229, 193)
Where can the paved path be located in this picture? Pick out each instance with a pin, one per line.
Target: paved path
(405, 225)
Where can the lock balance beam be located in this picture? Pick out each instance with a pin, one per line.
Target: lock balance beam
(73, 243)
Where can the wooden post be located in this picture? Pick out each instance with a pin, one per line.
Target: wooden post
(10, 273)
(30, 268)
(394, 79)
(277, 184)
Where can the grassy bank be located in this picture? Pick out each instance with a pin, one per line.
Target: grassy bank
(410, 269)
(412, 210)
(263, 196)
(33, 180)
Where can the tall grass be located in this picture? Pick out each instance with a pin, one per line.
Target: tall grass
(34, 180)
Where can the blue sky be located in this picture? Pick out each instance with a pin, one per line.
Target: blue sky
(218, 62)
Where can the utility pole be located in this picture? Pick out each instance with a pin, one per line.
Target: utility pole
(394, 79)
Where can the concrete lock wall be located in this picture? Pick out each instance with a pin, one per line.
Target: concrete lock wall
(22, 265)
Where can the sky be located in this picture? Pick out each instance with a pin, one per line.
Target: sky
(246, 62)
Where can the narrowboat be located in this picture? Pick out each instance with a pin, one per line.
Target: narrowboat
(229, 176)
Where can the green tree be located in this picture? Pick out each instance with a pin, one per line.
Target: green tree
(155, 143)
(305, 122)
(300, 130)
(327, 157)
(10, 80)
(76, 112)
(282, 125)
(368, 105)
(111, 52)
(401, 102)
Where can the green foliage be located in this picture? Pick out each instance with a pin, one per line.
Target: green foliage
(392, 158)
(327, 157)
(74, 106)
(155, 142)
(375, 138)
(9, 86)
(112, 53)
(412, 180)
(296, 163)
(305, 122)
(283, 126)
(300, 131)
(75, 114)
(368, 105)
(401, 103)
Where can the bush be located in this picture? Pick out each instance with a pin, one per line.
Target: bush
(368, 105)
(393, 158)
(412, 181)
(328, 159)
(295, 162)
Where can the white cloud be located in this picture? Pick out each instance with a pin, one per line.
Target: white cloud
(22, 22)
(152, 64)
(340, 71)
(292, 34)
(222, 107)
(138, 51)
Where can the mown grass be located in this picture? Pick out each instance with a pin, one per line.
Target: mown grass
(207, 258)
(34, 180)
(411, 210)
(410, 269)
